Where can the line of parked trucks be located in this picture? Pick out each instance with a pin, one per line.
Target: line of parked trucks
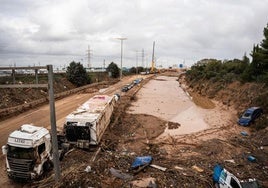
(29, 149)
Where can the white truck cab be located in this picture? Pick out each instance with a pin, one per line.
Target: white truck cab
(28, 152)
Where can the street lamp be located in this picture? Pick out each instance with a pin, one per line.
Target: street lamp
(121, 38)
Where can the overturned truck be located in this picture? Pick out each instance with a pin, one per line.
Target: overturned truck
(85, 126)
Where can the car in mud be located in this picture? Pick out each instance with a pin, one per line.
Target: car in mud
(127, 87)
(124, 89)
(137, 81)
(250, 115)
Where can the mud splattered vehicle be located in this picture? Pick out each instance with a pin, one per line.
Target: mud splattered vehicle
(85, 126)
(224, 179)
(28, 152)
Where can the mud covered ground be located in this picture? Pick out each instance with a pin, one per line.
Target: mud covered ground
(188, 159)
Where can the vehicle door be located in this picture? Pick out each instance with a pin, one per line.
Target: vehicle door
(234, 183)
(258, 113)
(42, 151)
(255, 114)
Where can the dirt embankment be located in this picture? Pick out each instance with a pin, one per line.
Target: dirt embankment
(236, 94)
(14, 101)
(13, 97)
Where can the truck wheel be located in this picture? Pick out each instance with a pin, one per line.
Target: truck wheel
(47, 166)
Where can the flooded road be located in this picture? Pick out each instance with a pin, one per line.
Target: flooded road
(164, 98)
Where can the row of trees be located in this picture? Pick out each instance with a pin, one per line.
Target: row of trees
(78, 75)
(236, 69)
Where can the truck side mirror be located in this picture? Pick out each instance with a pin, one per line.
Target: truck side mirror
(4, 149)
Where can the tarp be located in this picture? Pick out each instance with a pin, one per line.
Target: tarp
(141, 161)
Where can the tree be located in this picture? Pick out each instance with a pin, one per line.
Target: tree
(136, 70)
(259, 64)
(245, 59)
(255, 64)
(77, 74)
(133, 70)
(114, 70)
(264, 50)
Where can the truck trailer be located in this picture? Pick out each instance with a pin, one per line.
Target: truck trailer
(85, 126)
(28, 152)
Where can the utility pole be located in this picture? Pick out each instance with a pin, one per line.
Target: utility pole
(136, 62)
(53, 123)
(88, 56)
(142, 58)
(104, 65)
(152, 66)
(121, 38)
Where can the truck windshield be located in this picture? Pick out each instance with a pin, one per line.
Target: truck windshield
(20, 153)
(223, 176)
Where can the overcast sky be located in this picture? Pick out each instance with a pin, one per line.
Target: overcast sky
(41, 32)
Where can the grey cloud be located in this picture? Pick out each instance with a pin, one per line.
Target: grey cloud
(189, 29)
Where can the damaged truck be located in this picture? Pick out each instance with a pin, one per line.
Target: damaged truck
(85, 126)
(224, 179)
(28, 152)
(29, 149)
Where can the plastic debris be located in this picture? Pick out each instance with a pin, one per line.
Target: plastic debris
(217, 173)
(141, 161)
(230, 161)
(196, 168)
(158, 167)
(88, 169)
(244, 133)
(251, 158)
(179, 168)
(120, 174)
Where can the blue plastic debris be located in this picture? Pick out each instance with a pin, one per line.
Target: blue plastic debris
(251, 158)
(217, 172)
(141, 161)
(244, 133)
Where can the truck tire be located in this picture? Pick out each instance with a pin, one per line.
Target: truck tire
(47, 166)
